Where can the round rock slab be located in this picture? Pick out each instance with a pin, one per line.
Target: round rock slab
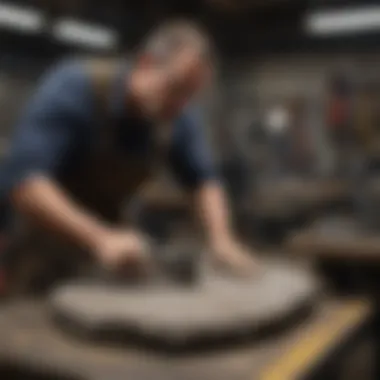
(218, 307)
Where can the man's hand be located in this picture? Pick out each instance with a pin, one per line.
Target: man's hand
(234, 257)
(212, 207)
(120, 249)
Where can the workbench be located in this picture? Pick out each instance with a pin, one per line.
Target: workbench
(32, 344)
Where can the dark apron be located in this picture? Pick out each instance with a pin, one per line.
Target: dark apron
(102, 184)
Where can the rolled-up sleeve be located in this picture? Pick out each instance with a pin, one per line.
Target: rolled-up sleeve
(52, 123)
(192, 158)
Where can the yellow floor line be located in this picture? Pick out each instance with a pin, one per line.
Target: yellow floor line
(316, 342)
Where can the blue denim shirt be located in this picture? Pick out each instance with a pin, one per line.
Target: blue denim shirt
(57, 125)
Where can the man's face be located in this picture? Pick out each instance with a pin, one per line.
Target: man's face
(175, 84)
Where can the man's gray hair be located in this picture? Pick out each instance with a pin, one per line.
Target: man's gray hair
(171, 37)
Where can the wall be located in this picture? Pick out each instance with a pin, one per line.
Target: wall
(274, 78)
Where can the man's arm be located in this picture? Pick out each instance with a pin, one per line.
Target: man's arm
(42, 201)
(195, 169)
(212, 207)
(53, 123)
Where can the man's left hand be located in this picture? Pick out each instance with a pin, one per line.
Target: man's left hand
(234, 257)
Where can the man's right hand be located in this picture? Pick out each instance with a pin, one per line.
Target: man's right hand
(122, 249)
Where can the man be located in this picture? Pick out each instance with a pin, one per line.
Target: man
(67, 173)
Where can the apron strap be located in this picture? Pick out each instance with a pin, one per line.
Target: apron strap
(103, 73)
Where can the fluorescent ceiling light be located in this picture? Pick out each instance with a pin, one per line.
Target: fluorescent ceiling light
(84, 34)
(343, 21)
(20, 18)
